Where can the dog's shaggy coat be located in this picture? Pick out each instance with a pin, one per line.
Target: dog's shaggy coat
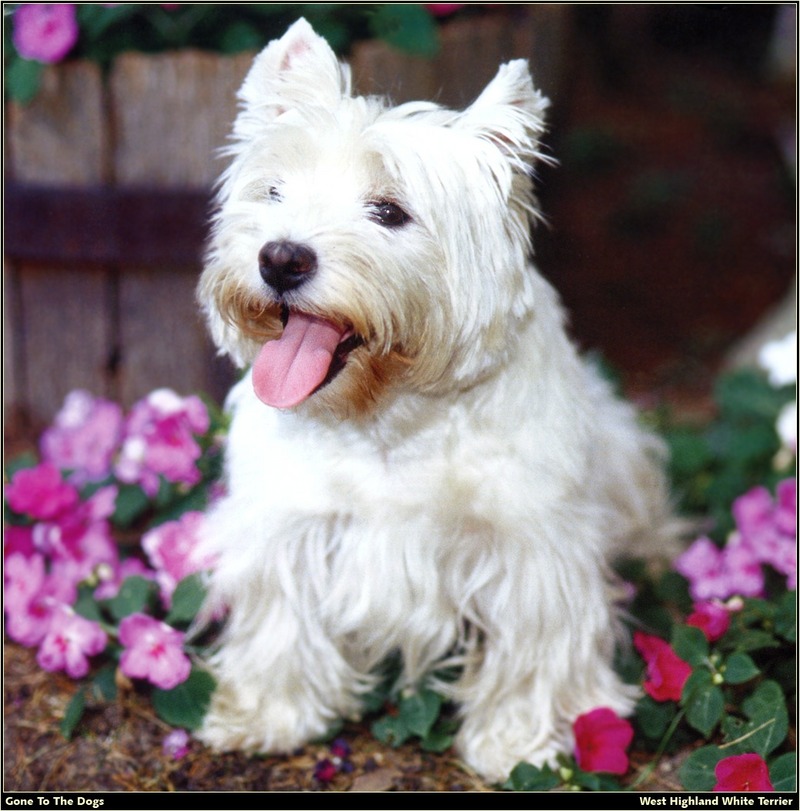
(419, 462)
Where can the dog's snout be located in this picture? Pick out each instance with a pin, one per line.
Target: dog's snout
(286, 265)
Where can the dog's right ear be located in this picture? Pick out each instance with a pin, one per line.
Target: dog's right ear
(298, 70)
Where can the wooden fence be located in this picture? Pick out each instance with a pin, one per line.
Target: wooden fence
(107, 190)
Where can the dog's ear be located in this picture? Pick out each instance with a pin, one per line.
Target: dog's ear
(510, 112)
(298, 70)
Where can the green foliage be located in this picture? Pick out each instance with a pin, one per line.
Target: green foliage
(713, 464)
(185, 705)
(107, 30)
(416, 714)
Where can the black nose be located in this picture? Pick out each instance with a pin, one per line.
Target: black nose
(285, 265)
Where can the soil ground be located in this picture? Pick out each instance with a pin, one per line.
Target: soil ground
(672, 233)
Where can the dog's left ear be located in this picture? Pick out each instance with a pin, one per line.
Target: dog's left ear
(298, 70)
(510, 112)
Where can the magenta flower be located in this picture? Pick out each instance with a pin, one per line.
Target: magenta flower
(45, 32)
(325, 770)
(443, 9)
(40, 492)
(80, 540)
(18, 541)
(176, 744)
(159, 440)
(711, 617)
(153, 651)
(666, 671)
(69, 642)
(601, 741)
(83, 437)
(173, 551)
(742, 773)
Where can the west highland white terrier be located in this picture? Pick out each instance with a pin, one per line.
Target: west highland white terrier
(418, 463)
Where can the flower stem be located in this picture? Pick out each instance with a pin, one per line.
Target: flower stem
(648, 770)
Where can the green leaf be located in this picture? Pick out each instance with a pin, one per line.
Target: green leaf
(73, 714)
(185, 706)
(697, 771)
(703, 701)
(134, 595)
(755, 640)
(131, 503)
(783, 772)
(526, 777)
(767, 724)
(437, 741)
(739, 668)
(654, 717)
(420, 710)
(22, 79)
(407, 26)
(593, 781)
(786, 616)
(104, 684)
(690, 644)
(391, 730)
(86, 605)
(186, 600)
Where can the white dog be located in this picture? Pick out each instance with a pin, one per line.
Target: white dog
(418, 460)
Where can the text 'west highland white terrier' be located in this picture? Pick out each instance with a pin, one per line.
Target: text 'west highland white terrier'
(419, 462)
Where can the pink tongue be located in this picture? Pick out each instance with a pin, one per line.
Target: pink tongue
(288, 369)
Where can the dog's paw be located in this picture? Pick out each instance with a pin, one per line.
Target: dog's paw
(258, 726)
(493, 751)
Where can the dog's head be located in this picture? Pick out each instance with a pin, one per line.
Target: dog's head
(357, 246)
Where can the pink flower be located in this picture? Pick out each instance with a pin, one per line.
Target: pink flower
(68, 643)
(176, 744)
(742, 773)
(84, 436)
(159, 440)
(40, 492)
(666, 671)
(80, 540)
(711, 617)
(601, 740)
(173, 550)
(765, 533)
(153, 651)
(718, 573)
(25, 599)
(45, 31)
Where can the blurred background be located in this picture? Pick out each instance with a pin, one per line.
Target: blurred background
(671, 212)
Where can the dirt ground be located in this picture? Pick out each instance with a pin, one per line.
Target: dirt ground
(663, 284)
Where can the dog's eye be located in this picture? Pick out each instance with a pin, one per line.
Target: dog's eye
(260, 191)
(388, 214)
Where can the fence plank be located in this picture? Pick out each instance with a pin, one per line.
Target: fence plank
(60, 314)
(173, 111)
(470, 54)
(68, 334)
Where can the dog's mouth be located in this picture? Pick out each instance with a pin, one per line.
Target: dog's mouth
(308, 355)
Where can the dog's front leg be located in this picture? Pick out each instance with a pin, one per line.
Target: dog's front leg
(548, 654)
(280, 680)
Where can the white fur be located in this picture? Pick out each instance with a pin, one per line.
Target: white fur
(470, 513)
